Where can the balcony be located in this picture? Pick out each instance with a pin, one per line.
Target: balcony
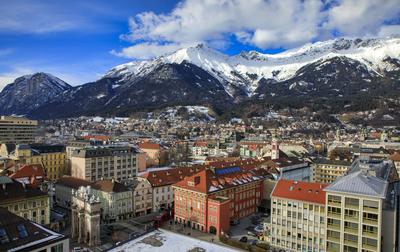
(333, 239)
(353, 207)
(334, 215)
(369, 247)
(372, 235)
(351, 243)
(370, 221)
(334, 203)
(334, 227)
(352, 218)
(351, 231)
(371, 209)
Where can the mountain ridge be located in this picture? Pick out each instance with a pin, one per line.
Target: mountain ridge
(335, 69)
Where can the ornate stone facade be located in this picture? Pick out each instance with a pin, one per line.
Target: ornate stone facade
(85, 216)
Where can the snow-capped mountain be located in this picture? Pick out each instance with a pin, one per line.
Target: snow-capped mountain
(348, 70)
(245, 70)
(29, 92)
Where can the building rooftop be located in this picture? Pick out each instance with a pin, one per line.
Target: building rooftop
(212, 180)
(18, 234)
(360, 183)
(14, 190)
(72, 182)
(109, 186)
(299, 190)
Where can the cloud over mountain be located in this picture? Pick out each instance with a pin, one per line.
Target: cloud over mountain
(258, 23)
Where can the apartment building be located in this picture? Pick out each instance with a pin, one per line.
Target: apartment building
(107, 162)
(17, 129)
(298, 216)
(29, 203)
(142, 196)
(51, 157)
(116, 199)
(19, 234)
(209, 199)
(326, 170)
(361, 208)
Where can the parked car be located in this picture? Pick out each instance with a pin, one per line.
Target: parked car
(243, 239)
(259, 228)
(251, 233)
(234, 222)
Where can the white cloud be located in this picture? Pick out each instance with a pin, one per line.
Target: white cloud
(147, 50)
(9, 77)
(362, 17)
(264, 24)
(389, 30)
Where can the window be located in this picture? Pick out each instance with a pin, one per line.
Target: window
(3, 236)
(57, 248)
(22, 233)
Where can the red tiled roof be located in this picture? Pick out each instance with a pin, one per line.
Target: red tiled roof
(148, 145)
(27, 171)
(206, 181)
(31, 175)
(200, 144)
(299, 190)
(174, 175)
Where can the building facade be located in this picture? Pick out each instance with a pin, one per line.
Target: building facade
(361, 208)
(31, 204)
(209, 199)
(327, 171)
(298, 216)
(116, 200)
(107, 162)
(142, 196)
(17, 130)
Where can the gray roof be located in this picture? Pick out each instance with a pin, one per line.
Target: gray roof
(360, 183)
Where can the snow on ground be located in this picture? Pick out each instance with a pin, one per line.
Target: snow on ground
(165, 241)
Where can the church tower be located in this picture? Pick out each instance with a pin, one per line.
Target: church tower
(275, 149)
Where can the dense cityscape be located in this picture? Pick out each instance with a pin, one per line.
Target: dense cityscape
(200, 126)
(112, 184)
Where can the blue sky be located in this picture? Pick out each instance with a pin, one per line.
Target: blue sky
(79, 41)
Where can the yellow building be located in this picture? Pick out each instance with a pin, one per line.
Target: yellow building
(31, 204)
(327, 171)
(17, 130)
(51, 157)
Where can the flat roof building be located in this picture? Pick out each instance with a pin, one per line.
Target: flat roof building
(17, 129)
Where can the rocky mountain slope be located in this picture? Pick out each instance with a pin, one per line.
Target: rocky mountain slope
(29, 92)
(330, 75)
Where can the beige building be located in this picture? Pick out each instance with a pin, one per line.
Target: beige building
(31, 204)
(360, 208)
(298, 216)
(116, 199)
(17, 130)
(327, 171)
(142, 196)
(85, 217)
(104, 162)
